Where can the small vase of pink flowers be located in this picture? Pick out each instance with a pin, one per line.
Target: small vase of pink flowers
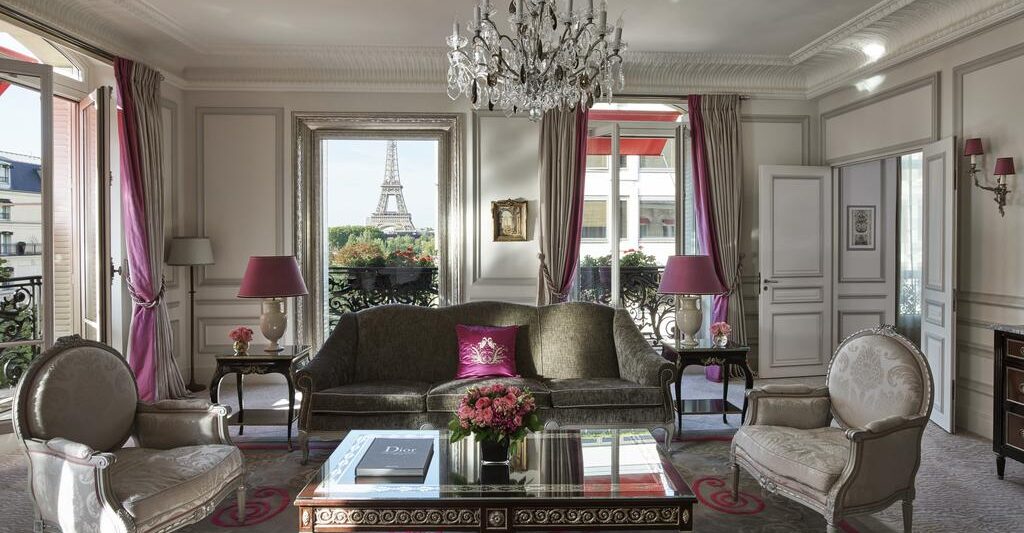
(499, 417)
(720, 334)
(241, 336)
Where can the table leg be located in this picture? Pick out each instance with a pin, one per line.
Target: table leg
(725, 393)
(291, 406)
(748, 376)
(679, 399)
(241, 410)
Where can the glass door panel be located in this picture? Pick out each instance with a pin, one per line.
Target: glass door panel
(94, 200)
(26, 266)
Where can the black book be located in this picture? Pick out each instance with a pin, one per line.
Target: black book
(396, 458)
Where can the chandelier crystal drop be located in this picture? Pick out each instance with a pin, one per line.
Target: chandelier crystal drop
(553, 57)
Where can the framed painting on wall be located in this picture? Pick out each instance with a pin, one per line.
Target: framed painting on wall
(860, 227)
(509, 220)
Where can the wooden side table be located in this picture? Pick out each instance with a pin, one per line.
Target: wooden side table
(731, 354)
(258, 361)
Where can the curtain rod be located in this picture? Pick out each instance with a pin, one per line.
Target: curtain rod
(664, 96)
(66, 38)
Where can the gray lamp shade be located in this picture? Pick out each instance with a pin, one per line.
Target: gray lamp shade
(190, 251)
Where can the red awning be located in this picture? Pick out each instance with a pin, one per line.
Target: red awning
(634, 116)
(645, 220)
(668, 221)
(627, 146)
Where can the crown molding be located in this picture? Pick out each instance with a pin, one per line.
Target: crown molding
(872, 15)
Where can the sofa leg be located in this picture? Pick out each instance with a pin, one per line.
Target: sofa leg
(304, 444)
(735, 470)
(240, 494)
(908, 515)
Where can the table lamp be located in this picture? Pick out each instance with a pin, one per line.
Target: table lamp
(272, 278)
(688, 277)
(191, 251)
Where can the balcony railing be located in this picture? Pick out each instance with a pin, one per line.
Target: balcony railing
(356, 288)
(19, 323)
(653, 313)
(20, 248)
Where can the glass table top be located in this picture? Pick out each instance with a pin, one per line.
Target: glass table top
(571, 464)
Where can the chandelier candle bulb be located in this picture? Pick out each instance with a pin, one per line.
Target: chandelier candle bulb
(590, 9)
(618, 37)
(476, 16)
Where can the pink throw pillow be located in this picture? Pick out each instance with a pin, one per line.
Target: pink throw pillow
(486, 351)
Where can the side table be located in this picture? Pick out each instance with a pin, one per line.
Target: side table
(703, 354)
(258, 361)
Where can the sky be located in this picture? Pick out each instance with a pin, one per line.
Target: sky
(355, 170)
(19, 121)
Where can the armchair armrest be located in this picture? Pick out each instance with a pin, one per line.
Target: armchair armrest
(884, 459)
(71, 486)
(795, 406)
(638, 362)
(173, 423)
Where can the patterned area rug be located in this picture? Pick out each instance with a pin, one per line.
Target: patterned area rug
(957, 491)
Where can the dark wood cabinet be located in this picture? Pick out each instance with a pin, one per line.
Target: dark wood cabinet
(1008, 411)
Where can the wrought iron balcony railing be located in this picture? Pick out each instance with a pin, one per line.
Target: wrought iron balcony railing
(356, 288)
(8, 249)
(19, 323)
(653, 313)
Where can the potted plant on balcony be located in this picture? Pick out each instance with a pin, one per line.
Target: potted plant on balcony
(498, 417)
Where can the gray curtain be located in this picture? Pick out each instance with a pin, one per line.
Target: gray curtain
(563, 141)
(721, 114)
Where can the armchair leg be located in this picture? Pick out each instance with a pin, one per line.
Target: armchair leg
(240, 493)
(908, 515)
(735, 469)
(304, 444)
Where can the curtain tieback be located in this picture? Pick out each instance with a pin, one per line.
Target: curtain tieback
(737, 277)
(548, 282)
(142, 302)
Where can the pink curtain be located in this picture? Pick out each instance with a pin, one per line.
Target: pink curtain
(563, 166)
(715, 146)
(140, 129)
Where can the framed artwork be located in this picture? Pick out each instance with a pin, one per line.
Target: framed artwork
(860, 227)
(509, 220)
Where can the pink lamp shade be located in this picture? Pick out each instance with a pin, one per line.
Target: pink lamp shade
(273, 276)
(1004, 166)
(690, 274)
(973, 147)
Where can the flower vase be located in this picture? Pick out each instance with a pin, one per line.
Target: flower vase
(494, 453)
(240, 347)
(713, 373)
(721, 340)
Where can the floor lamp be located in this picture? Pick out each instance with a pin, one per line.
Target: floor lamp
(191, 251)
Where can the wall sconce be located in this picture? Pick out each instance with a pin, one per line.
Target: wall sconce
(1004, 167)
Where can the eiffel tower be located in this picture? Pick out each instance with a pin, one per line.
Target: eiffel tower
(398, 220)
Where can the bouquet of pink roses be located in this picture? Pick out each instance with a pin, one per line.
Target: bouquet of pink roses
(720, 328)
(241, 334)
(496, 413)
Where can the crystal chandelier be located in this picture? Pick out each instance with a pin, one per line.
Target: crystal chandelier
(554, 57)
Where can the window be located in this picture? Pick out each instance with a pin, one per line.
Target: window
(22, 45)
(5, 175)
(911, 246)
(5, 209)
(595, 219)
(657, 219)
(664, 161)
(597, 162)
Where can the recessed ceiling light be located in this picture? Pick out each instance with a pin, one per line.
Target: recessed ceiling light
(874, 51)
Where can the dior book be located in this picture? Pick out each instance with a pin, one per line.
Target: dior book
(396, 458)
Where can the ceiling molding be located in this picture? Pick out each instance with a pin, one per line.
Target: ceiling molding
(908, 29)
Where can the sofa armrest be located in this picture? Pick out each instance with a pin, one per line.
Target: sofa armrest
(795, 406)
(334, 363)
(638, 361)
(884, 458)
(174, 423)
(70, 483)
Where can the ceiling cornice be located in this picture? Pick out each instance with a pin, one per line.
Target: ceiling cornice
(908, 28)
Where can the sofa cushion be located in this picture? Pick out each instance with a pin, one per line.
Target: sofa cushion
(445, 396)
(155, 486)
(814, 457)
(603, 392)
(577, 341)
(399, 396)
(486, 351)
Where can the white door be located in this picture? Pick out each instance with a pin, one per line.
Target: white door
(94, 226)
(938, 272)
(795, 250)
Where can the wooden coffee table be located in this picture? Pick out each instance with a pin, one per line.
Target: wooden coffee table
(561, 480)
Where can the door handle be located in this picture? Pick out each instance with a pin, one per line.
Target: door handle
(766, 282)
(769, 281)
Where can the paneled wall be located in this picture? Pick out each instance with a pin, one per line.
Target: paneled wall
(976, 87)
(175, 278)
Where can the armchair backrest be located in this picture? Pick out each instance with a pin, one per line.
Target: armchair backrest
(878, 373)
(80, 390)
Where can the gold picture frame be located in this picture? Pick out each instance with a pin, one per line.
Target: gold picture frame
(509, 220)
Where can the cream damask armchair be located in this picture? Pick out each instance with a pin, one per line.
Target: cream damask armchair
(879, 391)
(75, 408)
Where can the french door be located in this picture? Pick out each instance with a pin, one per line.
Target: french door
(26, 304)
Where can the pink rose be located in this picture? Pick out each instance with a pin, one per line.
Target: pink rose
(483, 402)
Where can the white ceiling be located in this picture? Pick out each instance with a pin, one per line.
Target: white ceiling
(787, 48)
